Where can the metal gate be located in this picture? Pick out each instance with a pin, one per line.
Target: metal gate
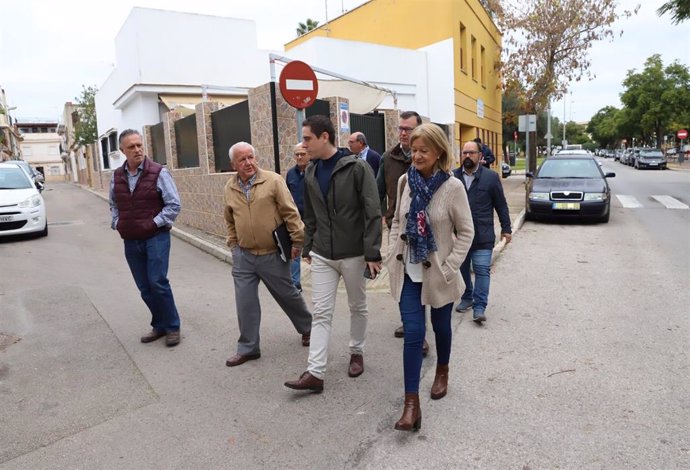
(158, 144)
(187, 142)
(230, 125)
(372, 125)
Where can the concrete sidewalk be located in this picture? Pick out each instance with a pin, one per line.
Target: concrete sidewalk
(513, 187)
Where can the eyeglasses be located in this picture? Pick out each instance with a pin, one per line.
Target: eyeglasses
(300, 154)
(469, 152)
(405, 129)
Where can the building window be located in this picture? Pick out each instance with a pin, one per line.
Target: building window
(463, 47)
(473, 51)
(104, 153)
(482, 65)
(112, 141)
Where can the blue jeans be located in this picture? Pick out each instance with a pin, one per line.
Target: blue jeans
(414, 324)
(296, 272)
(481, 265)
(148, 261)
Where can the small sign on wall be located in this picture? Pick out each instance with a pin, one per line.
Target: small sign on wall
(480, 108)
(345, 117)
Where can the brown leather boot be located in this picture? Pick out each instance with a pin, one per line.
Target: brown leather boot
(440, 386)
(411, 419)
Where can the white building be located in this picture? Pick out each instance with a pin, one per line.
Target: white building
(163, 58)
(41, 148)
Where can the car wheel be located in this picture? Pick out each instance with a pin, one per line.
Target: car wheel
(605, 218)
(44, 232)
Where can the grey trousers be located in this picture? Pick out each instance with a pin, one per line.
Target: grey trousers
(247, 270)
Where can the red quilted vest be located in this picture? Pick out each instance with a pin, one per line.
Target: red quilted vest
(138, 208)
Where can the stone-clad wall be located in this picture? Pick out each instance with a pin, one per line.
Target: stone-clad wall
(202, 189)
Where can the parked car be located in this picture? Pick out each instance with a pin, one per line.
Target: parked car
(22, 209)
(571, 187)
(569, 152)
(35, 175)
(651, 158)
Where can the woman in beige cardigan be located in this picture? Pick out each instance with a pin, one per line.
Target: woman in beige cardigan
(431, 234)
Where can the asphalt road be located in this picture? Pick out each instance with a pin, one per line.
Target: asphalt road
(583, 362)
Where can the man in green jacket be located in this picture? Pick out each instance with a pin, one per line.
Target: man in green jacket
(342, 239)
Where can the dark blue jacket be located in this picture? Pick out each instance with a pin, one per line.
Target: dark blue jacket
(295, 183)
(487, 155)
(486, 195)
(373, 159)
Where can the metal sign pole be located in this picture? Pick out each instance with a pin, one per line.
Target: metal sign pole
(300, 120)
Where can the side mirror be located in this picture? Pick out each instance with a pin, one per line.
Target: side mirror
(529, 174)
(610, 174)
(39, 186)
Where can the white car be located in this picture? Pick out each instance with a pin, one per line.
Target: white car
(22, 209)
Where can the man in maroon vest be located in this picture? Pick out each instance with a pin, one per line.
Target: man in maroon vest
(144, 204)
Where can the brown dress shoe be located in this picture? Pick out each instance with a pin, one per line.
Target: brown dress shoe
(440, 386)
(356, 365)
(411, 419)
(239, 359)
(306, 338)
(399, 332)
(172, 338)
(306, 381)
(152, 335)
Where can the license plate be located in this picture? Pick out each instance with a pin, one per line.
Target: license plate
(568, 206)
(653, 164)
(6, 218)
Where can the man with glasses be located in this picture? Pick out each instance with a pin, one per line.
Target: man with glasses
(395, 163)
(485, 195)
(295, 183)
(357, 143)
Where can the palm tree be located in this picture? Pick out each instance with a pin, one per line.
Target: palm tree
(679, 10)
(304, 28)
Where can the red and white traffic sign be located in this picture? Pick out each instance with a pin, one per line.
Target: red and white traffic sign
(682, 134)
(298, 84)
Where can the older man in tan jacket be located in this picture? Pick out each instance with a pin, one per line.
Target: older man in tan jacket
(256, 203)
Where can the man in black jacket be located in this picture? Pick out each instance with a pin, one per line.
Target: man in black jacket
(485, 194)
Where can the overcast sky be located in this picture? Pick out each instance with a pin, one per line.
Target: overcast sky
(49, 48)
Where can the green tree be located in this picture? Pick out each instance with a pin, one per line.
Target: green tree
(656, 98)
(85, 128)
(679, 10)
(603, 126)
(304, 28)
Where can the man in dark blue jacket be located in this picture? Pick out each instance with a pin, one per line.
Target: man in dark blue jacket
(488, 157)
(485, 194)
(295, 183)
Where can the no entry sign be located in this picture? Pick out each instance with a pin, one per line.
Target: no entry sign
(682, 134)
(298, 84)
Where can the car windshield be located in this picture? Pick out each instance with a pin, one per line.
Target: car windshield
(653, 153)
(569, 168)
(13, 178)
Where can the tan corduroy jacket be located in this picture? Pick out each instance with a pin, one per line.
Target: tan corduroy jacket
(251, 223)
(449, 214)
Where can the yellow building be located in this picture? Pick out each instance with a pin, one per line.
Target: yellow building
(416, 24)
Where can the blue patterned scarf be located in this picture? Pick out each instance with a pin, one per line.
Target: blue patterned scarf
(418, 229)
